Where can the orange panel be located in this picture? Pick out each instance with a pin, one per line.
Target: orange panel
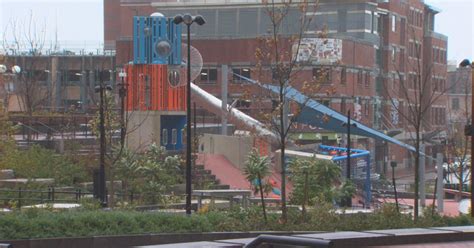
(162, 96)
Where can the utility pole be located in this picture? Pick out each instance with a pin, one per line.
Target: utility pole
(348, 172)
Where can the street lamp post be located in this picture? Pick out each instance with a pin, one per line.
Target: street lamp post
(15, 70)
(102, 192)
(348, 202)
(188, 19)
(122, 94)
(469, 129)
(393, 164)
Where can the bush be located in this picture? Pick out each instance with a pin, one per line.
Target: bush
(38, 162)
(39, 223)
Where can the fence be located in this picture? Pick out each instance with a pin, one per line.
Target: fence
(23, 197)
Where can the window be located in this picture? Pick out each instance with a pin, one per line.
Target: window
(40, 75)
(106, 75)
(402, 31)
(394, 53)
(243, 103)
(164, 137)
(366, 107)
(174, 136)
(208, 76)
(342, 21)
(455, 103)
(343, 105)
(402, 58)
(343, 76)
(325, 102)
(417, 50)
(75, 76)
(322, 75)
(245, 72)
(359, 77)
(394, 23)
(411, 49)
(367, 79)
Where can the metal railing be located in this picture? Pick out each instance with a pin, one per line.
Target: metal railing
(51, 195)
(21, 197)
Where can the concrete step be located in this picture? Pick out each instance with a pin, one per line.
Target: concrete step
(219, 186)
(7, 174)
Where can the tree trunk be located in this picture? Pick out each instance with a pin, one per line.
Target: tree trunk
(261, 197)
(417, 176)
(282, 157)
(305, 196)
(461, 167)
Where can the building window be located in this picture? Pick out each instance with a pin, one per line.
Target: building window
(322, 75)
(343, 105)
(367, 79)
(74, 76)
(243, 103)
(455, 103)
(360, 77)
(208, 76)
(366, 107)
(394, 23)
(244, 72)
(343, 76)
(40, 75)
(393, 53)
(325, 102)
(401, 56)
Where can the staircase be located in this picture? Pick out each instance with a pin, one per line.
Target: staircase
(204, 179)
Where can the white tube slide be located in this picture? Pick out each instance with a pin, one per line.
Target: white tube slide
(235, 116)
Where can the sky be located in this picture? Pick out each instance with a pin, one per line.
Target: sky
(79, 23)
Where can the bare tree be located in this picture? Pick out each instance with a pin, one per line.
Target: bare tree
(24, 42)
(277, 55)
(457, 144)
(413, 100)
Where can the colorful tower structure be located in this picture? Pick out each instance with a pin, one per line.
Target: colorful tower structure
(153, 105)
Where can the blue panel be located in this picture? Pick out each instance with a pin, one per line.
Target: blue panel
(174, 35)
(158, 28)
(316, 114)
(139, 40)
(173, 124)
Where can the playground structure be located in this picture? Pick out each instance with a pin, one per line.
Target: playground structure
(158, 103)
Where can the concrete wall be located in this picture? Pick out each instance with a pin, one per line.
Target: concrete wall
(234, 148)
(143, 128)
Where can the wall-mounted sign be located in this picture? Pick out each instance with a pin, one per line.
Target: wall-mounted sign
(318, 50)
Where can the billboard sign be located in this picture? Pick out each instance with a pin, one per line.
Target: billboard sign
(318, 50)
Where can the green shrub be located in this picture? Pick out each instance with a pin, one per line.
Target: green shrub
(40, 223)
(38, 162)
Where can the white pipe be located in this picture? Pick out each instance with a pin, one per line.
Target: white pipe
(236, 116)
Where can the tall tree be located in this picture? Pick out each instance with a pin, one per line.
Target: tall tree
(458, 144)
(277, 55)
(420, 86)
(24, 41)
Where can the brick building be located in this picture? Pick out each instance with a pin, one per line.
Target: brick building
(379, 42)
(459, 100)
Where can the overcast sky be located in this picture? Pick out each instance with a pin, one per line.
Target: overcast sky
(80, 22)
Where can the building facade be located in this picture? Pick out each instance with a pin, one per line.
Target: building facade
(55, 82)
(371, 53)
